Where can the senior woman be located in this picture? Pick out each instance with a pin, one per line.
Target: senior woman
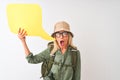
(63, 48)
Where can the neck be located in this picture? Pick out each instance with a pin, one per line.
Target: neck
(63, 49)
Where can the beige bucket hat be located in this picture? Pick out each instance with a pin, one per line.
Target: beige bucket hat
(61, 26)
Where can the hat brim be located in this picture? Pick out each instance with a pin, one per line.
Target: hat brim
(53, 34)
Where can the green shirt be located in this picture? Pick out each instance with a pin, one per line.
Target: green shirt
(60, 71)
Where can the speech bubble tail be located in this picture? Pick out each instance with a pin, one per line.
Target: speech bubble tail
(45, 36)
(48, 38)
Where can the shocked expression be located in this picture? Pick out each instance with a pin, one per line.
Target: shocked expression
(62, 38)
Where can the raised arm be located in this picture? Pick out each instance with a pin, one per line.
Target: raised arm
(22, 36)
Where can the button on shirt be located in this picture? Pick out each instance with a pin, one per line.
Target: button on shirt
(60, 70)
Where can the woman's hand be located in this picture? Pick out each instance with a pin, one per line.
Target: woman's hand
(22, 34)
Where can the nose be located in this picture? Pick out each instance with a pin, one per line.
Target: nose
(61, 36)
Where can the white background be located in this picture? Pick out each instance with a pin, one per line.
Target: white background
(95, 24)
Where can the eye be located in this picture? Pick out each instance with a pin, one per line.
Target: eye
(65, 33)
(57, 34)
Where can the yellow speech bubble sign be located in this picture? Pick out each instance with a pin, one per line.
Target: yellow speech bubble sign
(28, 17)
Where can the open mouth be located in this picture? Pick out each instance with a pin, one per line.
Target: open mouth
(62, 43)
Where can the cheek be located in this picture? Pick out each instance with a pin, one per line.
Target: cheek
(66, 39)
(57, 40)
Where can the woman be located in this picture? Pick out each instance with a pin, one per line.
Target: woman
(62, 50)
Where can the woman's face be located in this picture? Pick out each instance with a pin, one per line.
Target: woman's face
(62, 39)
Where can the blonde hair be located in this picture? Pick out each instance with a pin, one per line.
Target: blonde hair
(56, 47)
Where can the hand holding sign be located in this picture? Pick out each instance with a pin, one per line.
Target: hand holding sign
(28, 17)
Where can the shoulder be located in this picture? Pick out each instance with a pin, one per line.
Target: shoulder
(74, 50)
(50, 44)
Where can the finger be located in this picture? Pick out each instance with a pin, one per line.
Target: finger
(24, 33)
(19, 31)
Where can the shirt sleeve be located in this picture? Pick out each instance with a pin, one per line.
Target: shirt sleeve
(38, 58)
(78, 67)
